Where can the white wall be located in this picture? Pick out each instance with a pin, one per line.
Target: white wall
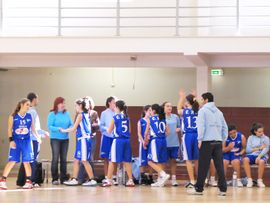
(152, 85)
(240, 87)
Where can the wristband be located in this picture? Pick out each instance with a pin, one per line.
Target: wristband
(11, 139)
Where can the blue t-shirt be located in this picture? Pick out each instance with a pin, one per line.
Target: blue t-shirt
(121, 126)
(105, 121)
(84, 128)
(189, 121)
(143, 124)
(157, 127)
(173, 139)
(22, 126)
(237, 143)
(56, 121)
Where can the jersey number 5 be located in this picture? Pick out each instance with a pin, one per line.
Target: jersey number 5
(124, 127)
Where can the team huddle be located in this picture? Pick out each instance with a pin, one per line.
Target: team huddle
(159, 145)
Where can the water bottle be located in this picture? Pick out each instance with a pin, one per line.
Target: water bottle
(234, 179)
(119, 174)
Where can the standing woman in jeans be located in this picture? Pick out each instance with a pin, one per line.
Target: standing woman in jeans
(58, 119)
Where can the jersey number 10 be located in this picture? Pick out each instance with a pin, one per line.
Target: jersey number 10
(160, 126)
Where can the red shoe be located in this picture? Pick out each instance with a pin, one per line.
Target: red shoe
(28, 185)
(3, 184)
(107, 183)
(130, 183)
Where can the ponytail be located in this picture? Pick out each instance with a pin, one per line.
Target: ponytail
(84, 102)
(18, 107)
(193, 102)
(121, 105)
(159, 110)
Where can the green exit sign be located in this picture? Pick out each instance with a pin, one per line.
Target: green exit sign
(216, 72)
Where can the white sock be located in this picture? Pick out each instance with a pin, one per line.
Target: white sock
(114, 176)
(162, 173)
(192, 182)
(260, 180)
(212, 178)
(173, 177)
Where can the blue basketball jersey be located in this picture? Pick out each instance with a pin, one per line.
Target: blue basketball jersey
(143, 124)
(157, 127)
(22, 126)
(189, 121)
(237, 142)
(121, 126)
(84, 128)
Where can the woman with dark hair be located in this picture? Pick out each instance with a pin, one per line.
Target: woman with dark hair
(188, 108)
(257, 153)
(20, 124)
(156, 131)
(82, 126)
(59, 119)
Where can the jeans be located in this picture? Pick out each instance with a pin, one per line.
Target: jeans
(59, 150)
(211, 150)
(82, 173)
(36, 149)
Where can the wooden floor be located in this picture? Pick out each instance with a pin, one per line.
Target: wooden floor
(120, 194)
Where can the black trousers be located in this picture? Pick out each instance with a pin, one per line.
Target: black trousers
(211, 150)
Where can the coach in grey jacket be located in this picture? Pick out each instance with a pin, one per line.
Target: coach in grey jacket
(212, 131)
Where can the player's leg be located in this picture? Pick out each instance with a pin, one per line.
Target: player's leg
(226, 164)
(127, 159)
(114, 156)
(236, 164)
(261, 167)
(212, 171)
(187, 150)
(27, 152)
(246, 163)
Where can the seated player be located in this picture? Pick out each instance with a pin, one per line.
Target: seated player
(233, 149)
(257, 153)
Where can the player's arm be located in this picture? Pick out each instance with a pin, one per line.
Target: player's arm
(74, 127)
(168, 130)
(139, 128)
(10, 127)
(146, 133)
(244, 145)
(33, 128)
(129, 127)
(180, 105)
(111, 127)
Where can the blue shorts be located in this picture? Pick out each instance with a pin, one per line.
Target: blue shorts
(105, 147)
(157, 151)
(190, 147)
(252, 159)
(230, 156)
(24, 148)
(83, 149)
(173, 152)
(121, 150)
(143, 155)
